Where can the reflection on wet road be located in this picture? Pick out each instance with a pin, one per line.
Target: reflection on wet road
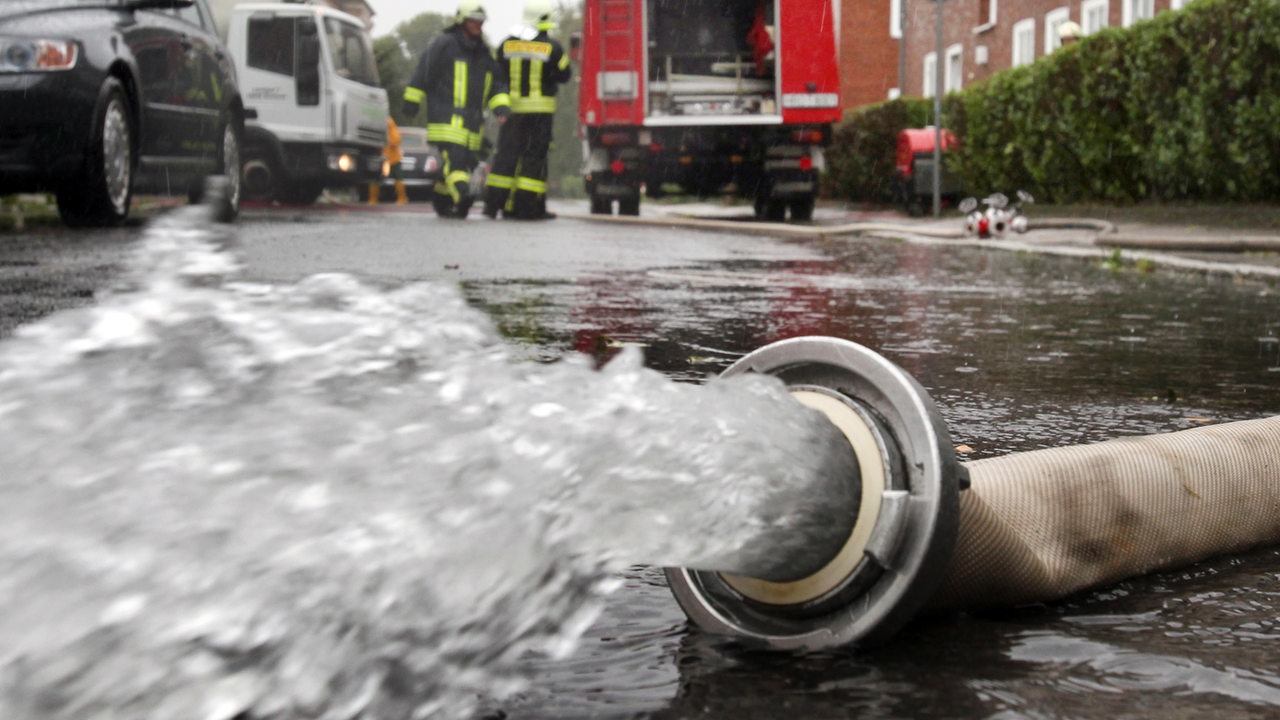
(1020, 352)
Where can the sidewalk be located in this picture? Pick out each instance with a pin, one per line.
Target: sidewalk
(1144, 245)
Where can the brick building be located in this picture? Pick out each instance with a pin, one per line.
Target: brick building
(982, 37)
(889, 47)
(869, 51)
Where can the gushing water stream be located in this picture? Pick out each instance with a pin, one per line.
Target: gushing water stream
(334, 500)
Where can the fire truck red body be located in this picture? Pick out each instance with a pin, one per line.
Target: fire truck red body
(707, 97)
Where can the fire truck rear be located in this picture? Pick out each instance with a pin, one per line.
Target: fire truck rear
(707, 97)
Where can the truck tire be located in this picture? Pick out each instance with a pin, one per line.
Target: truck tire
(300, 194)
(629, 205)
(259, 176)
(601, 205)
(770, 209)
(103, 196)
(802, 208)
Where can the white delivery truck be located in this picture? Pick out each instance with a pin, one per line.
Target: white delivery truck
(316, 113)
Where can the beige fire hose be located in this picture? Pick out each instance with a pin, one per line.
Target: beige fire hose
(932, 533)
(1041, 525)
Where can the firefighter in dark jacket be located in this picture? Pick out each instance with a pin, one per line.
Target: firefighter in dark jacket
(534, 66)
(458, 80)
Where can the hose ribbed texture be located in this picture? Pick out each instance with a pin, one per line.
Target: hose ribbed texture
(1040, 525)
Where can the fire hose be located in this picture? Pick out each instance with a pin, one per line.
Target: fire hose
(931, 533)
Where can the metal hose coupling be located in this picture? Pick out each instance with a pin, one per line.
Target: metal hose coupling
(904, 528)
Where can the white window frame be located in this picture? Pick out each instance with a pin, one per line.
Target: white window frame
(1052, 21)
(1176, 4)
(1137, 10)
(993, 6)
(953, 70)
(930, 74)
(1091, 9)
(1023, 38)
(895, 18)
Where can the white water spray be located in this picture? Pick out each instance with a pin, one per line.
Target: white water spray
(334, 500)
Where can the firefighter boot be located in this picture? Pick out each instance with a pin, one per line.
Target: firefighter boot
(402, 198)
(494, 199)
(373, 193)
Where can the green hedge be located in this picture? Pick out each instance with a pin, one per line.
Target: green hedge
(1182, 107)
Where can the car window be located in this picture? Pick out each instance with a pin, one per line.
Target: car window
(191, 14)
(352, 54)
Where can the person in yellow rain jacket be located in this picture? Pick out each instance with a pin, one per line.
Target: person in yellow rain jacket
(392, 155)
(534, 66)
(458, 79)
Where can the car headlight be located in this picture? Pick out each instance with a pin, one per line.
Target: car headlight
(36, 55)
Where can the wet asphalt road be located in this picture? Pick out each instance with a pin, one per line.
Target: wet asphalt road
(1021, 351)
(416, 245)
(46, 267)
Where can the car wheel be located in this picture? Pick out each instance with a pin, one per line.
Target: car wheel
(103, 195)
(229, 205)
(228, 182)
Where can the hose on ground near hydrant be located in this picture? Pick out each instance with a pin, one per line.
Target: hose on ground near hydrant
(1038, 526)
(929, 532)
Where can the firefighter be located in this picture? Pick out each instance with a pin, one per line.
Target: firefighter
(1068, 32)
(458, 79)
(534, 66)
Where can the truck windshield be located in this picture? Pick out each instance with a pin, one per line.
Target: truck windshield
(351, 52)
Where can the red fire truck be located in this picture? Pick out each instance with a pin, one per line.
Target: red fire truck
(708, 97)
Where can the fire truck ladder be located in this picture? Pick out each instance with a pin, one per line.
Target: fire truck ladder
(619, 82)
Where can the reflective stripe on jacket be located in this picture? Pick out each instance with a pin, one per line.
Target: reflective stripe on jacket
(535, 68)
(458, 80)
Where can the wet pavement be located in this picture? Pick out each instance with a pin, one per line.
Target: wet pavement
(1141, 243)
(1053, 337)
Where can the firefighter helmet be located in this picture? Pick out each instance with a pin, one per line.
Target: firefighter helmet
(537, 12)
(470, 10)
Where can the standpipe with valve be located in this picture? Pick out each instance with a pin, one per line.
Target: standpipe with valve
(923, 530)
